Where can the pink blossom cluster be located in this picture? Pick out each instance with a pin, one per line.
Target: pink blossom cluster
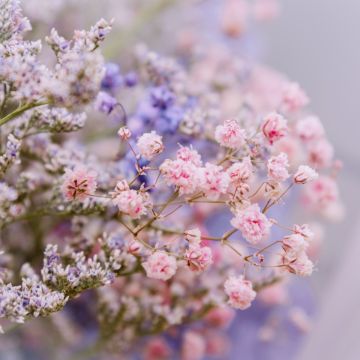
(237, 14)
(240, 292)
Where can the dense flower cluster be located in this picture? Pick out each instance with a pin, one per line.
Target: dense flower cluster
(124, 207)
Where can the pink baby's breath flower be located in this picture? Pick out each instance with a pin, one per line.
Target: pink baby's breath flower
(157, 349)
(300, 319)
(274, 295)
(302, 265)
(240, 172)
(134, 247)
(310, 128)
(160, 266)
(321, 193)
(214, 181)
(79, 183)
(230, 134)
(188, 154)
(294, 244)
(218, 345)
(252, 223)
(198, 257)
(193, 346)
(124, 133)
(305, 231)
(185, 175)
(294, 98)
(131, 202)
(274, 127)
(220, 317)
(277, 167)
(240, 292)
(234, 17)
(265, 10)
(321, 153)
(292, 147)
(305, 174)
(150, 145)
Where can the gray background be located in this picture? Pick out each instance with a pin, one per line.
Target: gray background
(316, 42)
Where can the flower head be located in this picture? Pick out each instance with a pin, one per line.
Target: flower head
(112, 78)
(240, 292)
(183, 174)
(150, 145)
(321, 193)
(230, 134)
(300, 265)
(124, 133)
(252, 223)
(198, 257)
(305, 231)
(157, 349)
(310, 128)
(105, 103)
(240, 173)
(277, 167)
(294, 244)
(78, 183)
(160, 265)
(321, 153)
(130, 202)
(294, 98)
(193, 347)
(214, 181)
(274, 127)
(305, 174)
(188, 154)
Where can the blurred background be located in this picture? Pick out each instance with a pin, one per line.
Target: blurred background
(315, 42)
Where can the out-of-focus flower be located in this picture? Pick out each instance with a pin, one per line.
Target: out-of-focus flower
(193, 346)
(277, 167)
(124, 133)
(310, 128)
(157, 349)
(294, 98)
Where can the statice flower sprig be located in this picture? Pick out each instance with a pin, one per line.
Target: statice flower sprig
(27, 83)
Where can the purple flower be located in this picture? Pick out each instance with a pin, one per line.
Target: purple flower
(105, 103)
(131, 79)
(112, 79)
(161, 97)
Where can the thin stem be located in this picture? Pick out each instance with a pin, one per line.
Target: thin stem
(20, 110)
(267, 247)
(270, 204)
(257, 191)
(169, 201)
(228, 234)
